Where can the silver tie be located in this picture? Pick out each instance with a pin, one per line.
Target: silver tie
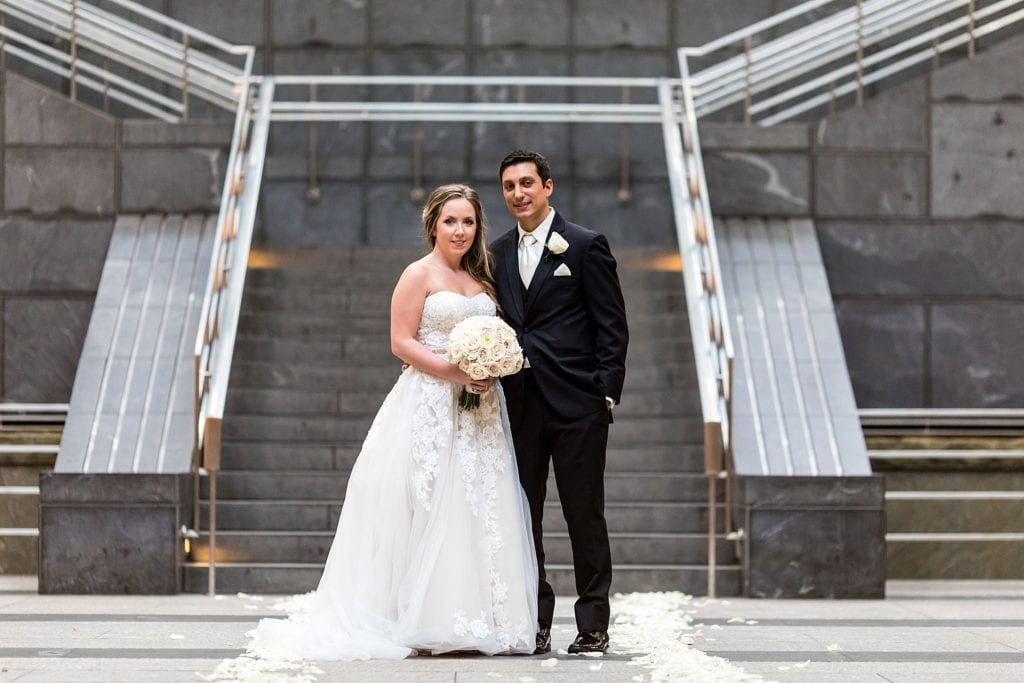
(527, 258)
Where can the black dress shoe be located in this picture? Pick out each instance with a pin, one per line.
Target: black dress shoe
(543, 642)
(589, 641)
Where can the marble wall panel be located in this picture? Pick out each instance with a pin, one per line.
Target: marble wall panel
(45, 180)
(975, 358)
(885, 347)
(237, 21)
(898, 120)
(608, 23)
(978, 159)
(35, 115)
(43, 338)
(172, 179)
(297, 23)
(52, 255)
(995, 74)
(758, 183)
(440, 23)
(870, 185)
(923, 258)
(289, 218)
(506, 23)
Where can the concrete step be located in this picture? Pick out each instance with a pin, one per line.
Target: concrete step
(283, 578)
(962, 512)
(304, 428)
(259, 374)
(671, 402)
(339, 301)
(313, 546)
(330, 485)
(933, 556)
(322, 515)
(237, 454)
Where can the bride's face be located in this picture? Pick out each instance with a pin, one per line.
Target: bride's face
(456, 228)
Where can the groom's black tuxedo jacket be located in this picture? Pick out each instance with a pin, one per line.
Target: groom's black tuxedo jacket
(572, 328)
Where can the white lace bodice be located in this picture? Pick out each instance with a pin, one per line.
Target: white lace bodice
(443, 310)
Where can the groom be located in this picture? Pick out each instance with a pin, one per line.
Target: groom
(558, 287)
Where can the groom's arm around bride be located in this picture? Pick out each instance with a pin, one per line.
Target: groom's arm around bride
(559, 289)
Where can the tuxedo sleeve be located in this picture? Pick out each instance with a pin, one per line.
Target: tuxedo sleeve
(607, 312)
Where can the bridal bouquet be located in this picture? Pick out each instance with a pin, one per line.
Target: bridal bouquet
(484, 346)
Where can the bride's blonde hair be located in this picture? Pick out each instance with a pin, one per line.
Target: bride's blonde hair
(476, 261)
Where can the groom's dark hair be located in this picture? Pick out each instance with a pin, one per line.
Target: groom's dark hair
(519, 156)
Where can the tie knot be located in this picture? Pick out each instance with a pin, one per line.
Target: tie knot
(529, 240)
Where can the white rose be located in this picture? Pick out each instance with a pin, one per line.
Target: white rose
(493, 370)
(507, 366)
(478, 372)
(557, 243)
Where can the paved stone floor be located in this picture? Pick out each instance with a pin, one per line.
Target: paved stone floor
(923, 631)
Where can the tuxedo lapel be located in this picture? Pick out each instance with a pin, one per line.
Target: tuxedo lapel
(513, 281)
(547, 265)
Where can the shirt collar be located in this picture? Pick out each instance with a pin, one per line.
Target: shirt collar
(542, 230)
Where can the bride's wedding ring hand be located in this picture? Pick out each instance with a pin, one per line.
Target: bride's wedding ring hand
(481, 386)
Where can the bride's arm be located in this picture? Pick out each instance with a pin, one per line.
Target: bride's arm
(406, 310)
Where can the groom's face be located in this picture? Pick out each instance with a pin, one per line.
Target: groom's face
(525, 195)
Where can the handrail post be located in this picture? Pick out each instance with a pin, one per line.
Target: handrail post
(520, 127)
(747, 69)
(417, 193)
(73, 65)
(211, 462)
(970, 29)
(184, 76)
(860, 53)
(625, 194)
(313, 192)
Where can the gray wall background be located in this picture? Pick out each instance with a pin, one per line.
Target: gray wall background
(915, 196)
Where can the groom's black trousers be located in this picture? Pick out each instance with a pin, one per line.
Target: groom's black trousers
(577, 449)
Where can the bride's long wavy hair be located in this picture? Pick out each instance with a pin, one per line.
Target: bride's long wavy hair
(476, 261)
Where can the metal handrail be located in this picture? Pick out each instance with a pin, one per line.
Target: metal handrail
(778, 78)
(100, 38)
(24, 413)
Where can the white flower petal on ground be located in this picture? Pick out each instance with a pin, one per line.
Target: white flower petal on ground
(549, 662)
(596, 667)
(834, 647)
(652, 628)
(736, 620)
(801, 664)
(177, 636)
(527, 679)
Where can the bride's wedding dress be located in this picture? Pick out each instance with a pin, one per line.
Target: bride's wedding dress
(433, 549)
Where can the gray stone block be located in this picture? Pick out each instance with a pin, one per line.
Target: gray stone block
(50, 180)
(500, 23)
(319, 60)
(52, 255)
(317, 22)
(977, 159)
(492, 141)
(884, 346)
(34, 115)
(916, 259)
(877, 185)
(747, 183)
(237, 21)
(392, 219)
(172, 179)
(43, 340)
(697, 23)
(994, 74)
(441, 23)
(735, 136)
(606, 23)
(897, 119)
(143, 133)
(645, 221)
(290, 219)
(975, 360)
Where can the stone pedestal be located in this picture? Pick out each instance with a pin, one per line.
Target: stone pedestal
(112, 533)
(813, 537)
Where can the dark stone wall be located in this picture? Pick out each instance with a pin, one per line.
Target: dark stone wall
(67, 171)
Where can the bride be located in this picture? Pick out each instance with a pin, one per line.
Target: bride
(433, 550)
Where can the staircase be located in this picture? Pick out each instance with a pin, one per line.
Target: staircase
(954, 492)
(311, 367)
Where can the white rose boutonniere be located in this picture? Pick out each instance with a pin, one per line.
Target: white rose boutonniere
(557, 244)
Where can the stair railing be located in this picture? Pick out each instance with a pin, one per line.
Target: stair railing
(161, 57)
(48, 415)
(222, 300)
(776, 78)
